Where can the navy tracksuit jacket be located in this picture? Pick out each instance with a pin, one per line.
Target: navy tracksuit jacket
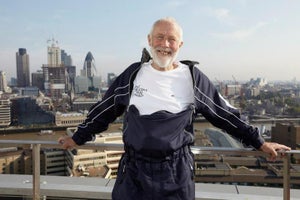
(157, 163)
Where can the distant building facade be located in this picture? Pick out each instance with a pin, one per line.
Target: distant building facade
(71, 71)
(58, 73)
(5, 113)
(26, 111)
(11, 161)
(29, 91)
(82, 104)
(89, 68)
(23, 74)
(69, 119)
(288, 134)
(54, 162)
(232, 90)
(55, 80)
(3, 82)
(111, 77)
(37, 80)
(54, 54)
(84, 84)
(66, 59)
(81, 159)
(88, 80)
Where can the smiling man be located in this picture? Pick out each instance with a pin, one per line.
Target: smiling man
(160, 98)
(165, 40)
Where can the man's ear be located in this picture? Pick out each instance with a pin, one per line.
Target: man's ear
(181, 43)
(149, 40)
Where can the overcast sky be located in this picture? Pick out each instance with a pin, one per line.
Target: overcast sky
(230, 38)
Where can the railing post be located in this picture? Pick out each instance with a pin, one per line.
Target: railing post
(286, 176)
(36, 171)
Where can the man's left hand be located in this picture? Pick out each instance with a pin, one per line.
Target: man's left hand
(272, 148)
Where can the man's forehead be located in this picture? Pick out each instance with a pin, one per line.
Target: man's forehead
(166, 28)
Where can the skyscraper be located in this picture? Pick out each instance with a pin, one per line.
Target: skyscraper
(3, 82)
(54, 54)
(66, 59)
(89, 69)
(88, 80)
(23, 75)
(54, 72)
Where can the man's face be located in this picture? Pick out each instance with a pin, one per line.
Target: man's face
(164, 42)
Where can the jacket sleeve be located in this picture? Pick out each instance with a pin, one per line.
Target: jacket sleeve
(221, 114)
(105, 111)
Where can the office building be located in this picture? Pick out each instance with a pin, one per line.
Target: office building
(84, 84)
(83, 160)
(26, 111)
(23, 75)
(88, 79)
(71, 74)
(37, 79)
(69, 119)
(29, 91)
(55, 80)
(3, 82)
(54, 54)
(111, 77)
(286, 133)
(89, 68)
(83, 104)
(232, 90)
(66, 59)
(58, 73)
(54, 162)
(13, 82)
(5, 116)
(11, 161)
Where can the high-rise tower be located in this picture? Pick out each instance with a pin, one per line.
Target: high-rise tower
(54, 54)
(66, 59)
(55, 74)
(3, 82)
(88, 79)
(23, 75)
(89, 68)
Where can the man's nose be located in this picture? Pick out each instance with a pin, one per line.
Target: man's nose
(165, 43)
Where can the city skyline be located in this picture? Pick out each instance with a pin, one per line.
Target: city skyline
(242, 39)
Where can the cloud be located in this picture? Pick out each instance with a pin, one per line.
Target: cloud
(60, 14)
(175, 3)
(222, 15)
(241, 34)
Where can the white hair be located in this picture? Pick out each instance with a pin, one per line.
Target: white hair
(169, 20)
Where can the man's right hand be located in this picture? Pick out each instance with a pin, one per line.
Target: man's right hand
(67, 142)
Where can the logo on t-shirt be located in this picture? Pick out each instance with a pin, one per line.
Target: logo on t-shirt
(138, 91)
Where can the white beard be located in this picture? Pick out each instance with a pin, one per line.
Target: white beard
(162, 62)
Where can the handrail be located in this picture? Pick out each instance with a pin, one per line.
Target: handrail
(37, 144)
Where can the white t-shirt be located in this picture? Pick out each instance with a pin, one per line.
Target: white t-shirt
(155, 90)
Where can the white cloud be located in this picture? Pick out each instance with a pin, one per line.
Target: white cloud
(221, 13)
(175, 3)
(241, 34)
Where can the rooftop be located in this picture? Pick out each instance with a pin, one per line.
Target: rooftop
(57, 187)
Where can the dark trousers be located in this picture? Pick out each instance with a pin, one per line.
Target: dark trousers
(144, 178)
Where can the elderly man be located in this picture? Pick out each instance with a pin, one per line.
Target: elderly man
(160, 98)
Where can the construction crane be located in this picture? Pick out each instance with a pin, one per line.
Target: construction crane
(220, 86)
(235, 84)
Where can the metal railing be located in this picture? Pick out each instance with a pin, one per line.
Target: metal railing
(36, 146)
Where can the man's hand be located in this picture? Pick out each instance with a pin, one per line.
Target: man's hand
(67, 142)
(272, 148)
